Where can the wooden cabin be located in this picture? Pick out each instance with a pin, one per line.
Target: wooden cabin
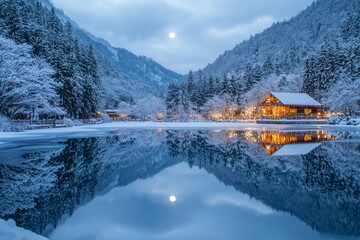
(278, 105)
(115, 115)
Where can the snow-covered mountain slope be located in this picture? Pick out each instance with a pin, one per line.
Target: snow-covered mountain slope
(289, 42)
(135, 76)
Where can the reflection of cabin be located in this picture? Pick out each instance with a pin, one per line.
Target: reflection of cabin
(292, 143)
(290, 106)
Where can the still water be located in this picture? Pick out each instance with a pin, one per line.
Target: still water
(182, 184)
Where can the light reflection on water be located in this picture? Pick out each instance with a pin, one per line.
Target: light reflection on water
(292, 143)
(187, 185)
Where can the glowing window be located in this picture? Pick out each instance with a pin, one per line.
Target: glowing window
(307, 111)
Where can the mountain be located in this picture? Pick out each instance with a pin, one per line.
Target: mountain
(135, 76)
(289, 42)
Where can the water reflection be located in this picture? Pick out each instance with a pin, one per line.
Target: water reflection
(321, 187)
(292, 143)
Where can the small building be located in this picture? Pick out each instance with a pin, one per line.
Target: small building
(116, 115)
(291, 106)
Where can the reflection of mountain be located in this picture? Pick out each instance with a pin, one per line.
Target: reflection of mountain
(291, 143)
(46, 186)
(321, 188)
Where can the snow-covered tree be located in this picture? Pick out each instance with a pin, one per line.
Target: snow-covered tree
(344, 96)
(220, 107)
(173, 101)
(74, 65)
(26, 85)
(151, 108)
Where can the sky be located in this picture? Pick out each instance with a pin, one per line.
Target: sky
(204, 28)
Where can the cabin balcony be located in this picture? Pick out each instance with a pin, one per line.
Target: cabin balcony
(295, 117)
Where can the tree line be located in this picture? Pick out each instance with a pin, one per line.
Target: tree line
(74, 67)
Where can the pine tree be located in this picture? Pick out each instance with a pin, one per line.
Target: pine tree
(93, 82)
(350, 27)
(251, 76)
(190, 88)
(217, 86)
(311, 82)
(14, 22)
(225, 85)
(257, 74)
(233, 88)
(184, 101)
(210, 87)
(268, 67)
(277, 66)
(173, 101)
(248, 78)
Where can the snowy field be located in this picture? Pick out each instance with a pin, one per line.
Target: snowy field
(101, 129)
(9, 231)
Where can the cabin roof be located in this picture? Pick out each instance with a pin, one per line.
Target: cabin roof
(296, 99)
(296, 149)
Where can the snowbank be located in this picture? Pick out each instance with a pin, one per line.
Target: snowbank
(7, 126)
(105, 128)
(9, 231)
(344, 120)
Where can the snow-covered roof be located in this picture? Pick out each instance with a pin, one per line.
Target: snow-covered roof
(296, 99)
(296, 149)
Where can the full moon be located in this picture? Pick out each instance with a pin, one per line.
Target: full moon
(172, 35)
(172, 198)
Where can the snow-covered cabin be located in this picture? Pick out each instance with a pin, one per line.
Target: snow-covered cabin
(278, 105)
(116, 115)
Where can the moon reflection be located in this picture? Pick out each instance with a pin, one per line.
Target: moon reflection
(172, 198)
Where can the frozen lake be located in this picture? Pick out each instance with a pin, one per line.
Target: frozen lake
(183, 183)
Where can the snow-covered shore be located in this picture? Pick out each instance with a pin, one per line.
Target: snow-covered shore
(9, 231)
(98, 129)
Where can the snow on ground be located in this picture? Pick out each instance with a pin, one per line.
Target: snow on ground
(344, 120)
(98, 129)
(9, 231)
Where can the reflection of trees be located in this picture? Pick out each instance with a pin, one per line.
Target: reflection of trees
(321, 188)
(20, 184)
(206, 147)
(337, 180)
(48, 186)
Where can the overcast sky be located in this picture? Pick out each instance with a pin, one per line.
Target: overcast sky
(204, 28)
